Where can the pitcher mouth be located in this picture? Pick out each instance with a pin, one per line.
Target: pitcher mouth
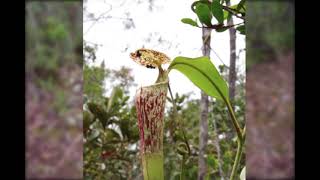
(153, 85)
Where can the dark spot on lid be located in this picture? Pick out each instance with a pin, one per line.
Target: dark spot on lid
(138, 54)
(151, 67)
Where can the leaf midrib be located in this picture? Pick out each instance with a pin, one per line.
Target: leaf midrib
(218, 89)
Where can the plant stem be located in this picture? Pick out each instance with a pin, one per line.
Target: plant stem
(244, 133)
(240, 140)
(237, 160)
(182, 164)
(234, 120)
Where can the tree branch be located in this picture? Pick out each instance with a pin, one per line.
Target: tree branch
(219, 26)
(233, 12)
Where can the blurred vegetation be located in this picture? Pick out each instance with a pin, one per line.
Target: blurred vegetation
(53, 71)
(271, 31)
(53, 44)
(53, 38)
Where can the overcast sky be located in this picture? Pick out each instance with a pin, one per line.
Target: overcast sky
(159, 29)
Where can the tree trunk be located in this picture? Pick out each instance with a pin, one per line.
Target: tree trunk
(232, 70)
(203, 133)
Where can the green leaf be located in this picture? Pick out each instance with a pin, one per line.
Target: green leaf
(225, 14)
(109, 147)
(241, 29)
(211, 161)
(115, 95)
(243, 174)
(189, 21)
(87, 119)
(217, 11)
(111, 135)
(238, 8)
(203, 13)
(182, 149)
(124, 127)
(241, 6)
(94, 134)
(99, 112)
(203, 74)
